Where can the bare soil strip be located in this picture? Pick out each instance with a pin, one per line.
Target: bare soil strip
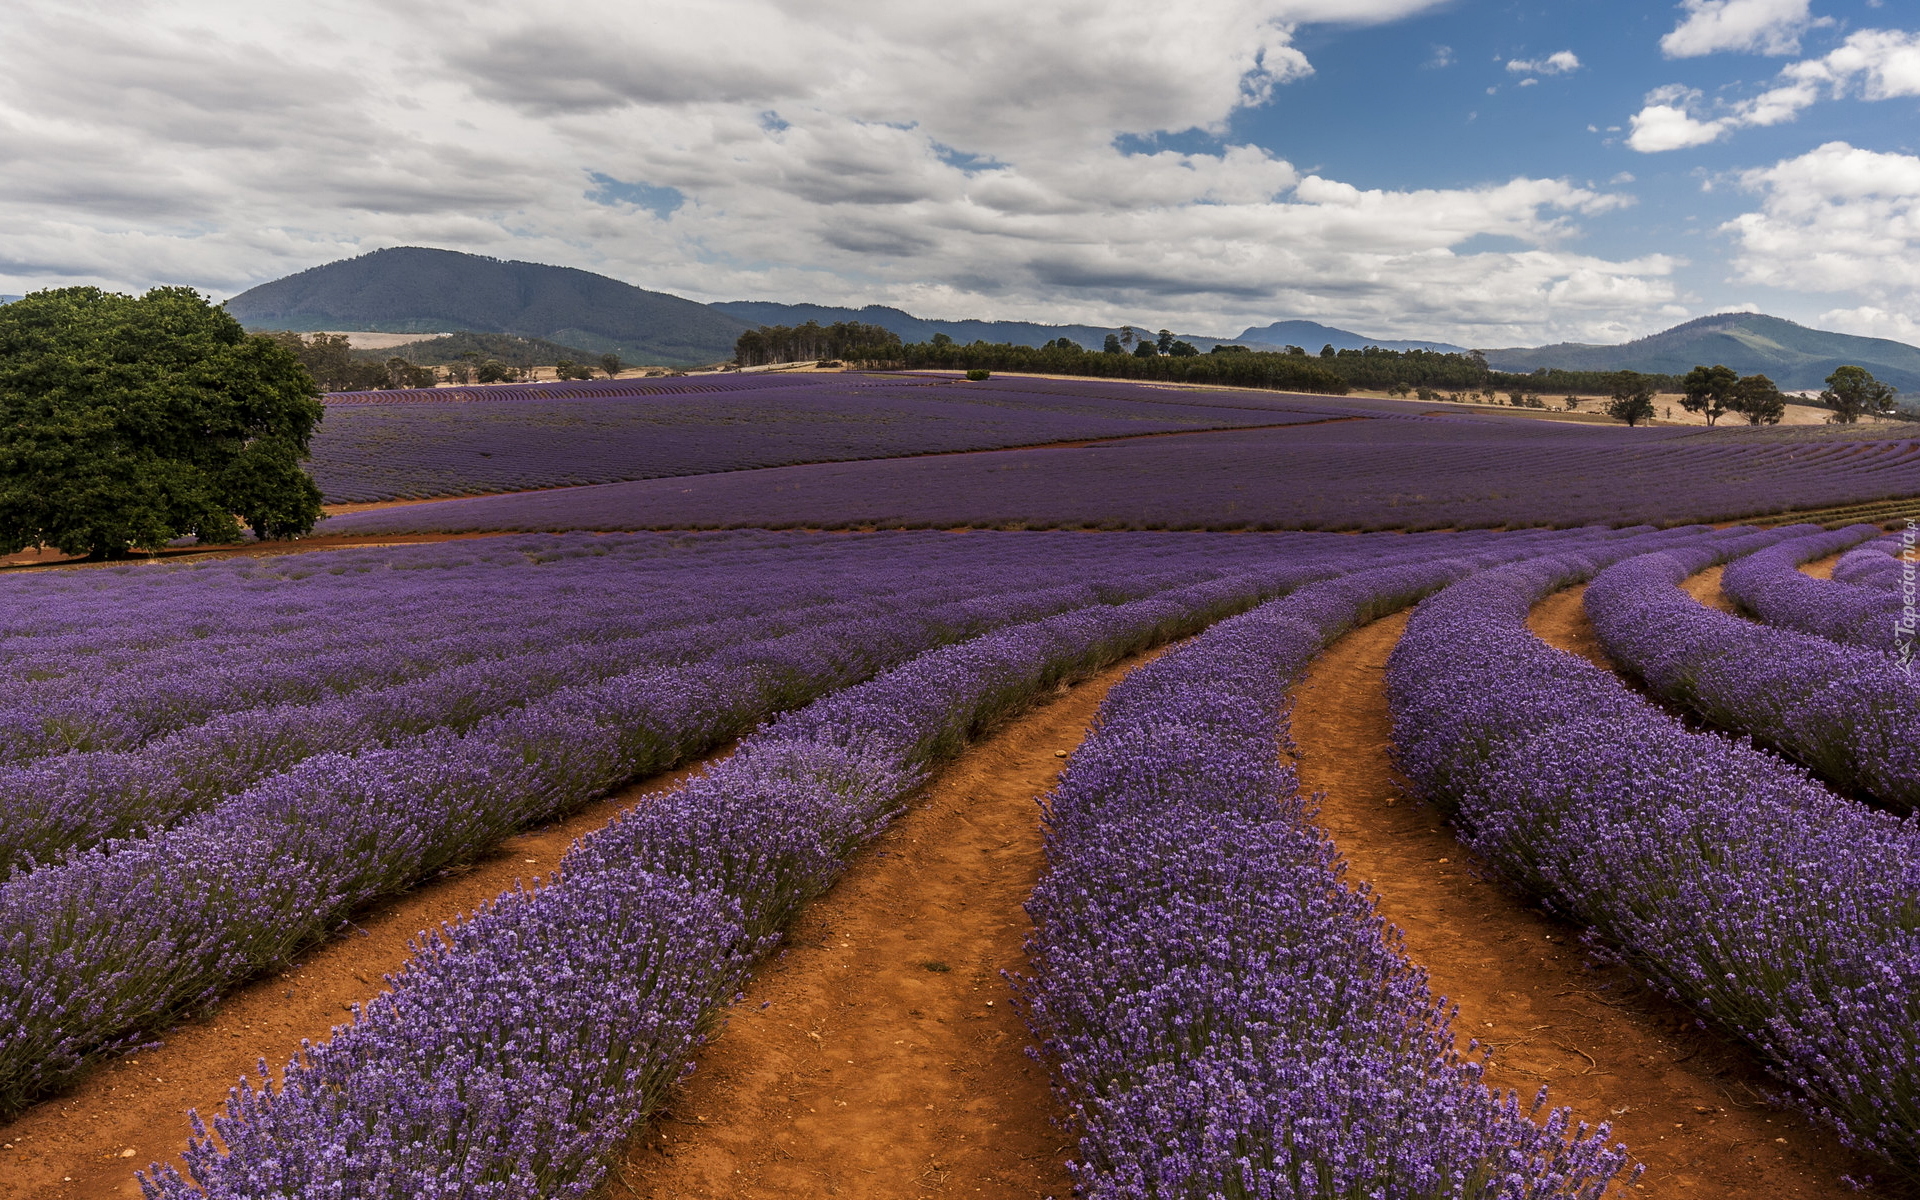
(1690, 1104)
(50, 559)
(87, 1142)
(879, 1057)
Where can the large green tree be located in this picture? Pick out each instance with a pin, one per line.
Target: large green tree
(1853, 391)
(1633, 395)
(1757, 399)
(1709, 390)
(126, 422)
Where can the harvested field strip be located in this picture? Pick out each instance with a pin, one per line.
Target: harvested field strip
(1688, 1103)
(1887, 513)
(888, 1061)
(74, 1146)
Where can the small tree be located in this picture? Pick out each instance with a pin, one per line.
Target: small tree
(1146, 349)
(1852, 391)
(1127, 335)
(129, 422)
(1572, 402)
(611, 364)
(1709, 390)
(1165, 341)
(1757, 399)
(1632, 401)
(1112, 345)
(1183, 350)
(492, 370)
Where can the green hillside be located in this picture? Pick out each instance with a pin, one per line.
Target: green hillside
(1793, 355)
(411, 289)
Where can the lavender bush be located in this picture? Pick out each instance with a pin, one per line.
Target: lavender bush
(728, 859)
(1729, 879)
(1846, 712)
(1768, 586)
(1226, 1016)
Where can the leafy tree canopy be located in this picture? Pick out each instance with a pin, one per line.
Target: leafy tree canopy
(1633, 395)
(1709, 390)
(1757, 399)
(129, 422)
(1852, 391)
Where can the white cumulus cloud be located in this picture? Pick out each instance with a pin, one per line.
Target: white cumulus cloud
(1561, 62)
(1872, 64)
(1758, 26)
(1837, 219)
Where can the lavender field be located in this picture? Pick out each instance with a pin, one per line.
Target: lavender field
(216, 772)
(1377, 472)
(463, 441)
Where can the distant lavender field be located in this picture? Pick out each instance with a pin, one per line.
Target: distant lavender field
(1412, 472)
(465, 441)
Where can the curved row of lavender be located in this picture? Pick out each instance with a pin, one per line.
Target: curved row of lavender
(493, 645)
(519, 1047)
(1769, 586)
(99, 951)
(1848, 713)
(549, 436)
(1225, 1014)
(1435, 472)
(1884, 564)
(1732, 881)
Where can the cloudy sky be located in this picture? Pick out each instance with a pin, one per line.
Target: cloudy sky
(1486, 172)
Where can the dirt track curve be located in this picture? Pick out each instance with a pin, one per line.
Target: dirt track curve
(880, 1058)
(1690, 1105)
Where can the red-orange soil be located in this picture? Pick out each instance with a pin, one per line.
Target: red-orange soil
(1689, 1104)
(887, 1061)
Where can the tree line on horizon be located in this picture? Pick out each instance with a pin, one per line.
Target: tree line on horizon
(1626, 396)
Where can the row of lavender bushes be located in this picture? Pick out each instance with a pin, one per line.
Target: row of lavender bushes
(70, 802)
(1227, 1016)
(1768, 586)
(101, 951)
(519, 1047)
(126, 660)
(1882, 564)
(1729, 879)
(1848, 713)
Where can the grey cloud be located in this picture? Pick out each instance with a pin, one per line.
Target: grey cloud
(548, 71)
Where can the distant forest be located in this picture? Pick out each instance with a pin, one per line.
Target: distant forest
(840, 341)
(1430, 373)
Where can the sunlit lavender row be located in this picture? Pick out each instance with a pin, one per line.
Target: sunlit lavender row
(1847, 713)
(1860, 605)
(1225, 1015)
(1731, 880)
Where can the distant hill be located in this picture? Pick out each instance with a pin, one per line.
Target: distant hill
(1311, 335)
(412, 289)
(1793, 356)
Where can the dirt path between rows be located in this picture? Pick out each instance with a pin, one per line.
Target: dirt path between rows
(880, 1058)
(87, 1143)
(1689, 1104)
